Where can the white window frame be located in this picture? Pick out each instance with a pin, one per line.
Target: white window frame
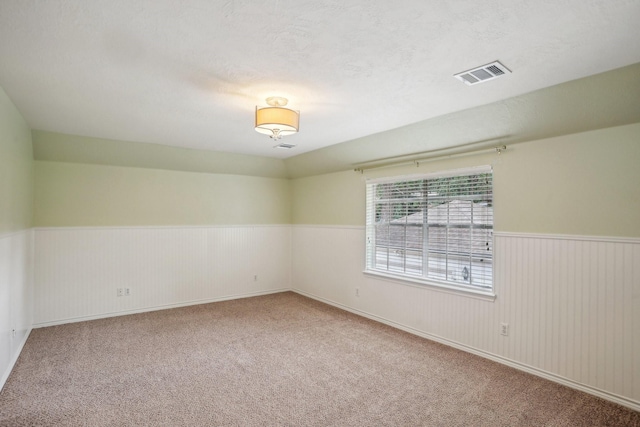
(423, 279)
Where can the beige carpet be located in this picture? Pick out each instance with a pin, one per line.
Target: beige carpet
(274, 360)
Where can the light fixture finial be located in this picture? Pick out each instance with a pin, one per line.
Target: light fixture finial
(277, 101)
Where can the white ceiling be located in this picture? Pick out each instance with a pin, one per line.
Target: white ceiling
(189, 73)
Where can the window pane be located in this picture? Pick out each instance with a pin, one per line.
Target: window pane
(414, 262)
(396, 236)
(396, 259)
(457, 266)
(381, 257)
(437, 266)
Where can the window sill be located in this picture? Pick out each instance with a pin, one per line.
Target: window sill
(433, 285)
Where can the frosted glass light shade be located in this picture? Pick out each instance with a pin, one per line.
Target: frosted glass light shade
(277, 121)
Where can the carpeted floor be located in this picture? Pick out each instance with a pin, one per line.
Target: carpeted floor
(280, 359)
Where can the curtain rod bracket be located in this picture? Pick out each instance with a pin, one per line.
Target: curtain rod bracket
(500, 149)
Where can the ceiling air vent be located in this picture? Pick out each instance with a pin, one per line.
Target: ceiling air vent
(284, 145)
(482, 74)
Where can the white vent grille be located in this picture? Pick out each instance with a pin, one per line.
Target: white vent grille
(284, 145)
(482, 74)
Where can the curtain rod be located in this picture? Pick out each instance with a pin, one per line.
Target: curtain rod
(426, 156)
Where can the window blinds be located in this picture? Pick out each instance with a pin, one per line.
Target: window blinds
(435, 227)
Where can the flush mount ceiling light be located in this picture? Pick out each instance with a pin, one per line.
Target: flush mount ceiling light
(275, 120)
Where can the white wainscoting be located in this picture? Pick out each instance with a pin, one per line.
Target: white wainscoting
(78, 270)
(572, 304)
(16, 297)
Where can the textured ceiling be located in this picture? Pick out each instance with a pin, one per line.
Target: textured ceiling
(189, 73)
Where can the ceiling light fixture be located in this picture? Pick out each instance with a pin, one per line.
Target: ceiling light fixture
(275, 120)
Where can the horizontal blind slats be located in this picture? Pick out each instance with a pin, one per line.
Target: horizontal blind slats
(445, 223)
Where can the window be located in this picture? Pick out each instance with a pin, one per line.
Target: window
(435, 229)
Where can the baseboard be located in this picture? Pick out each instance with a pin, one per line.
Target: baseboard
(156, 308)
(14, 359)
(621, 400)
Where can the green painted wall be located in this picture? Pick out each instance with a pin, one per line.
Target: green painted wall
(16, 169)
(69, 194)
(581, 184)
(587, 183)
(334, 198)
(59, 147)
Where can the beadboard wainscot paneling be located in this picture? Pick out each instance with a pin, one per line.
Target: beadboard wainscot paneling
(572, 304)
(78, 270)
(16, 297)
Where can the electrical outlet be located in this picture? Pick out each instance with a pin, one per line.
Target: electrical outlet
(127, 292)
(120, 292)
(504, 329)
(357, 292)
